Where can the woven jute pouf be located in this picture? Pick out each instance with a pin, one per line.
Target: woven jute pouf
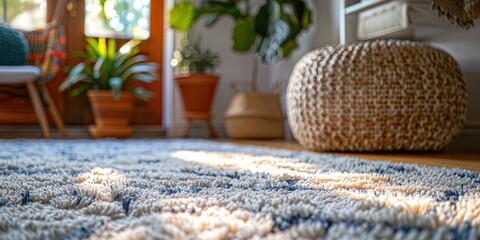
(382, 95)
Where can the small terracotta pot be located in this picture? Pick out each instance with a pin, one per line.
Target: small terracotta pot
(198, 90)
(112, 117)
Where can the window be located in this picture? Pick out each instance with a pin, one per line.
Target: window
(24, 14)
(117, 18)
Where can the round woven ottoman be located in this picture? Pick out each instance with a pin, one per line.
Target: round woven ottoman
(383, 95)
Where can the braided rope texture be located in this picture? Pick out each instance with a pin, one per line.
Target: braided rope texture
(382, 95)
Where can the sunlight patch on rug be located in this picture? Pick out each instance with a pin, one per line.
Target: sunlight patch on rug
(138, 189)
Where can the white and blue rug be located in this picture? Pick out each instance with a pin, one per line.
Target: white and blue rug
(192, 189)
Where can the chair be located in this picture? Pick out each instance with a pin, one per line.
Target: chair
(46, 54)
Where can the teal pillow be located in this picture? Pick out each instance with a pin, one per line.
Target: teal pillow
(13, 46)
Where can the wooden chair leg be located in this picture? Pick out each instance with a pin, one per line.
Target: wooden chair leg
(53, 110)
(38, 107)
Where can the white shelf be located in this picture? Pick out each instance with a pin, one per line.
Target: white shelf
(422, 24)
(363, 6)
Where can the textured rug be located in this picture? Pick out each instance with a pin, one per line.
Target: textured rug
(192, 189)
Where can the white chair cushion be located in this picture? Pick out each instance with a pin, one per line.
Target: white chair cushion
(18, 74)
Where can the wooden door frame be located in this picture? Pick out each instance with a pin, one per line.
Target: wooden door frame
(76, 111)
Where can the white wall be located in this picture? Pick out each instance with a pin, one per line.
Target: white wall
(237, 67)
(463, 45)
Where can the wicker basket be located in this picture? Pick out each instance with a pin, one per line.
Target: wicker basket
(377, 96)
(254, 115)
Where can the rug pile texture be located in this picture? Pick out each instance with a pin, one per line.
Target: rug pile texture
(193, 189)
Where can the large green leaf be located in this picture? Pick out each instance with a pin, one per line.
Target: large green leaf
(267, 15)
(269, 50)
(273, 31)
(262, 20)
(211, 20)
(288, 47)
(302, 13)
(243, 35)
(182, 15)
(215, 9)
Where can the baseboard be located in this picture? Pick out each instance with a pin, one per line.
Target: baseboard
(198, 130)
(74, 132)
(469, 139)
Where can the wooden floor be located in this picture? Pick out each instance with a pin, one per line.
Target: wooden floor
(470, 160)
(451, 158)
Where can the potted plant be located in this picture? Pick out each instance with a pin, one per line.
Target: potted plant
(196, 81)
(270, 32)
(106, 74)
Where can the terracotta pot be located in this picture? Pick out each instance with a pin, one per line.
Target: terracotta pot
(198, 90)
(112, 118)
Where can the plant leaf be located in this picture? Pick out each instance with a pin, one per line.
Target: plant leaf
(78, 54)
(147, 78)
(269, 50)
(288, 47)
(212, 19)
(92, 54)
(79, 90)
(243, 35)
(115, 84)
(120, 57)
(72, 78)
(92, 43)
(143, 94)
(219, 8)
(129, 63)
(262, 21)
(112, 48)
(273, 31)
(150, 68)
(182, 16)
(88, 70)
(98, 67)
(102, 47)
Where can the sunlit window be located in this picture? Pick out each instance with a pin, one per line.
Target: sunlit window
(24, 14)
(117, 18)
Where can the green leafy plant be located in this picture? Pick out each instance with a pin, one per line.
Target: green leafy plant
(270, 30)
(195, 57)
(106, 68)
